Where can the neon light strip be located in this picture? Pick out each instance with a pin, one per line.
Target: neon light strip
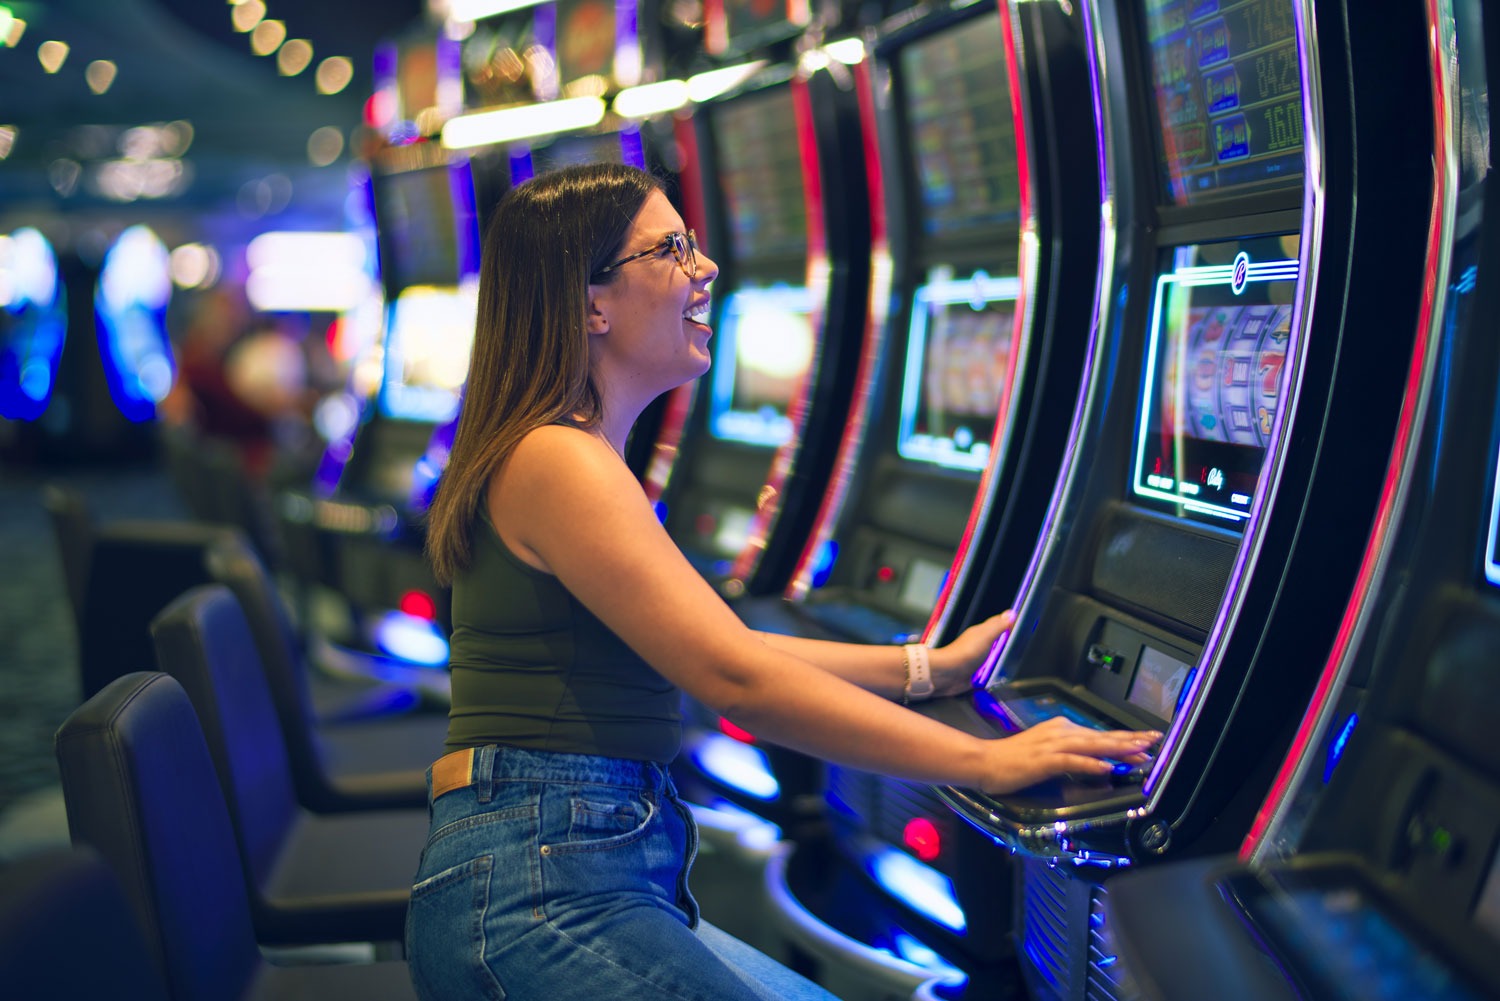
(1262, 843)
(818, 267)
(831, 507)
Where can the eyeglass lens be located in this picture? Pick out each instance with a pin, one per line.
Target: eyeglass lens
(684, 248)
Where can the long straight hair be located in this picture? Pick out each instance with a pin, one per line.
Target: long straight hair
(530, 362)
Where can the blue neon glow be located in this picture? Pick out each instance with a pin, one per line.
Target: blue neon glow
(130, 304)
(827, 555)
(1492, 551)
(33, 324)
(737, 765)
(1340, 743)
(411, 639)
(522, 167)
(919, 886)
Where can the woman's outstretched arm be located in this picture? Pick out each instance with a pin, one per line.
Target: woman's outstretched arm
(565, 502)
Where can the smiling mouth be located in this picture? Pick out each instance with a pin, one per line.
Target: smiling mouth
(698, 314)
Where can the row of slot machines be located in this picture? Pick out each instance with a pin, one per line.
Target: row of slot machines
(1155, 321)
(84, 353)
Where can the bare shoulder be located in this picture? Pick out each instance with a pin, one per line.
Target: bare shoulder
(558, 458)
(561, 485)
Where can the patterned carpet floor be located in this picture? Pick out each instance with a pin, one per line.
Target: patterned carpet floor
(38, 647)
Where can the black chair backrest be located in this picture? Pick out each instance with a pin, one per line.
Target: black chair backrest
(204, 641)
(73, 528)
(140, 789)
(234, 563)
(136, 568)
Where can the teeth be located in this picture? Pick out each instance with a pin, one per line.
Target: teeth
(698, 315)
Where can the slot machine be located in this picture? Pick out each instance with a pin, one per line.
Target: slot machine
(943, 359)
(780, 164)
(782, 172)
(934, 358)
(1227, 450)
(35, 319)
(1370, 871)
(901, 873)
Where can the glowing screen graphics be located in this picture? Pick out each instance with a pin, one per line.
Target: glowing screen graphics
(33, 324)
(130, 302)
(1158, 683)
(761, 175)
(957, 99)
(958, 364)
(429, 335)
(1228, 96)
(763, 354)
(1218, 340)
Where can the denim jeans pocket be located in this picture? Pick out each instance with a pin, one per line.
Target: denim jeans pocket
(445, 933)
(597, 823)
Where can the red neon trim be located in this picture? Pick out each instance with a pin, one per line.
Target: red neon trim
(768, 501)
(680, 403)
(832, 503)
(1020, 328)
(737, 732)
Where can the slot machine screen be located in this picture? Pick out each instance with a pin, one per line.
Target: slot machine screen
(764, 352)
(956, 97)
(1227, 92)
(761, 175)
(419, 222)
(429, 334)
(958, 365)
(1220, 327)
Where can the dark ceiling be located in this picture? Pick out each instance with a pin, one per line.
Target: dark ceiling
(181, 60)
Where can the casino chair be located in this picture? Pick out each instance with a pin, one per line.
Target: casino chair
(140, 790)
(312, 877)
(371, 763)
(121, 573)
(73, 529)
(61, 905)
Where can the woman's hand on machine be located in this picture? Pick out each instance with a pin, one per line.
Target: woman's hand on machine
(1060, 747)
(953, 666)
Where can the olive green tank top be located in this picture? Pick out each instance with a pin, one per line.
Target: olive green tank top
(531, 667)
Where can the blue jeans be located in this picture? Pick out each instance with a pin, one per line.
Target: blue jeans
(564, 876)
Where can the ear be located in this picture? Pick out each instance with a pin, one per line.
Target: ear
(597, 321)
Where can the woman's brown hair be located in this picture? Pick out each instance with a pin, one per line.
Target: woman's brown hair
(530, 363)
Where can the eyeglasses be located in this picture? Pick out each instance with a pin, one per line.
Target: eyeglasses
(684, 247)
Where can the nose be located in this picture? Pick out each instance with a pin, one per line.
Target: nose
(708, 270)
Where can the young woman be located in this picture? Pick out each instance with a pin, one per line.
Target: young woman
(557, 863)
